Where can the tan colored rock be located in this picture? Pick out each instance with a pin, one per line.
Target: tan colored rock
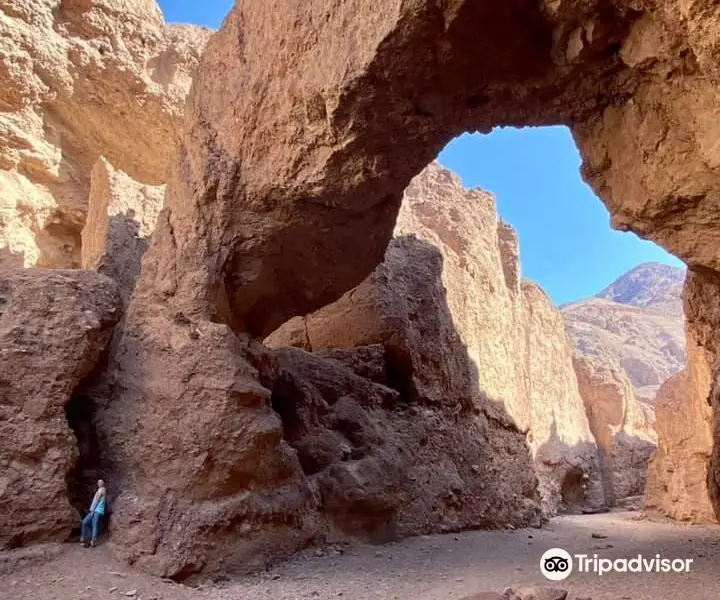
(512, 333)
(288, 182)
(121, 217)
(681, 469)
(323, 165)
(623, 428)
(53, 327)
(634, 327)
(628, 340)
(83, 80)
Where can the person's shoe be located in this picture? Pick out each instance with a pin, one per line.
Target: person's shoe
(82, 542)
(92, 544)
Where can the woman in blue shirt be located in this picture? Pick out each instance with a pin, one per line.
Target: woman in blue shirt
(97, 510)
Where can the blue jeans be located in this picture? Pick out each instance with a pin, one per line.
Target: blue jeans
(90, 519)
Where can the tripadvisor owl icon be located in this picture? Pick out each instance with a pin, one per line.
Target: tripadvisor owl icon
(556, 564)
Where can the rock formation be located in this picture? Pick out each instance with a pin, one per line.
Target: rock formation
(53, 327)
(682, 481)
(81, 80)
(508, 328)
(121, 217)
(288, 182)
(634, 327)
(623, 428)
(628, 340)
(284, 195)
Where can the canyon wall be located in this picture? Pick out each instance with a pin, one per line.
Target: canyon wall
(508, 327)
(283, 195)
(628, 340)
(83, 80)
(54, 326)
(682, 478)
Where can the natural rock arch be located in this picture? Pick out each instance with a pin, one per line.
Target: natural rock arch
(306, 122)
(290, 177)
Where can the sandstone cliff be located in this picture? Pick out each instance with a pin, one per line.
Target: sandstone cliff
(80, 81)
(512, 333)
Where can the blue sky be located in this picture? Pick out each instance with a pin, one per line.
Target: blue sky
(200, 12)
(566, 244)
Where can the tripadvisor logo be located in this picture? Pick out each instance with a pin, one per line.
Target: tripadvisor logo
(557, 564)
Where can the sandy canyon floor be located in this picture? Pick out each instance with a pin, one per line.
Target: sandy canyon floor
(425, 568)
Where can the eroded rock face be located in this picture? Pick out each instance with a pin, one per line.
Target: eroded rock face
(121, 218)
(372, 446)
(680, 474)
(53, 327)
(385, 434)
(628, 340)
(83, 80)
(623, 428)
(508, 328)
(588, 66)
(288, 182)
(634, 327)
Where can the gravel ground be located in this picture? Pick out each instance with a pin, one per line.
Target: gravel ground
(424, 568)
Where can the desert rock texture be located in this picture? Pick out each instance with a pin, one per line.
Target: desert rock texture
(82, 80)
(287, 185)
(628, 340)
(54, 326)
(634, 326)
(386, 432)
(120, 219)
(683, 478)
(282, 195)
(285, 193)
(519, 355)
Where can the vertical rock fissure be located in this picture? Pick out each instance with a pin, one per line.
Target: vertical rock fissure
(80, 413)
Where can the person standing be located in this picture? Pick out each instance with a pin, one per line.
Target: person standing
(92, 519)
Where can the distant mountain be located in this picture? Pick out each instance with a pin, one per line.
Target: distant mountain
(649, 285)
(634, 326)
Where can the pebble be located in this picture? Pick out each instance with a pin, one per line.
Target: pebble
(112, 589)
(131, 593)
(598, 536)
